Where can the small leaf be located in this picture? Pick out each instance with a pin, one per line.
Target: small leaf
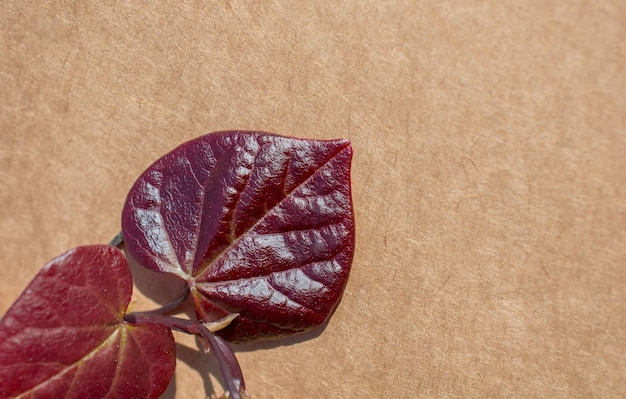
(256, 224)
(65, 336)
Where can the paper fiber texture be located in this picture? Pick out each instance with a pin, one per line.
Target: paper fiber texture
(489, 173)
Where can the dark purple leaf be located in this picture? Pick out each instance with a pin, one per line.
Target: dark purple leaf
(256, 223)
(65, 336)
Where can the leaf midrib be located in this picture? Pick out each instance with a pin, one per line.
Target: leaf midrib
(77, 363)
(243, 234)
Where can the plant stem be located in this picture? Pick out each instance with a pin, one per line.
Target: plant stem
(226, 360)
(170, 307)
(118, 240)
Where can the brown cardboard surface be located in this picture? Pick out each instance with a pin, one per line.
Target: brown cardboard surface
(489, 175)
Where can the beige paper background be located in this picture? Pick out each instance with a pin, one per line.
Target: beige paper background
(489, 175)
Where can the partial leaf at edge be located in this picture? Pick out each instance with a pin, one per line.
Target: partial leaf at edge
(65, 335)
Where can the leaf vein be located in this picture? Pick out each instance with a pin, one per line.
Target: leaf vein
(255, 224)
(76, 364)
(280, 291)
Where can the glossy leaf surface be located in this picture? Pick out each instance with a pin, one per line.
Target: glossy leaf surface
(256, 223)
(65, 336)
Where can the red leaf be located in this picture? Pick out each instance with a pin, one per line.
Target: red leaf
(65, 336)
(257, 224)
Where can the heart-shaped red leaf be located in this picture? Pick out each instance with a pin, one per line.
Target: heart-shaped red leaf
(65, 336)
(256, 223)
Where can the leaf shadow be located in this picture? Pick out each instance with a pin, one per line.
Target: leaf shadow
(163, 289)
(170, 391)
(199, 361)
(206, 366)
(287, 341)
(159, 287)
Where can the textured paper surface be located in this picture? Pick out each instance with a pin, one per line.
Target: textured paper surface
(489, 173)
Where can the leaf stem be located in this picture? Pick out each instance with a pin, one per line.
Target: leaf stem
(226, 360)
(168, 308)
(117, 241)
